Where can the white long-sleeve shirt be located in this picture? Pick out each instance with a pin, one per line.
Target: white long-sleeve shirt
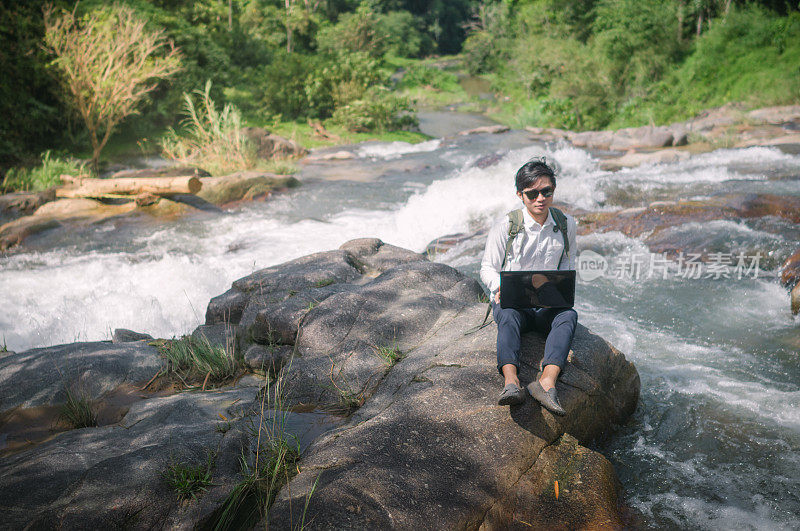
(536, 248)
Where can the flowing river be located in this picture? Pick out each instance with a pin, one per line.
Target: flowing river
(715, 442)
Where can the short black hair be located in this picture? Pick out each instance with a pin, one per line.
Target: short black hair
(532, 171)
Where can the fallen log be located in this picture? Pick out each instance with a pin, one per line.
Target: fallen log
(88, 187)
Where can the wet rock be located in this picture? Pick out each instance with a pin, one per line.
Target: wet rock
(776, 115)
(39, 376)
(486, 129)
(18, 204)
(660, 215)
(632, 159)
(337, 155)
(245, 185)
(271, 146)
(123, 335)
(641, 138)
(60, 213)
(588, 492)
(167, 171)
(548, 133)
(592, 139)
(795, 296)
(790, 271)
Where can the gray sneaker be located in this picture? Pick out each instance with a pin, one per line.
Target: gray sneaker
(548, 399)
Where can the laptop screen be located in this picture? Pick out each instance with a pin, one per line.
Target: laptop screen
(537, 289)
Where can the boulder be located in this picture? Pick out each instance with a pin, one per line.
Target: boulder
(117, 476)
(425, 441)
(54, 214)
(588, 492)
(776, 115)
(592, 139)
(244, 185)
(123, 335)
(224, 336)
(486, 129)
(270, 146)
(631, 159)
(40, 376)
(18, 204)
(790, 271)
(267, 358)
(641, 138)
(429, 444)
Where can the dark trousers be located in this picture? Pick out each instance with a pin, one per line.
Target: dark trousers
(558, 323)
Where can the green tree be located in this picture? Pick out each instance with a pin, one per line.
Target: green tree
(108, 62)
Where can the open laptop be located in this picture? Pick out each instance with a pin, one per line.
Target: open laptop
(537, 289)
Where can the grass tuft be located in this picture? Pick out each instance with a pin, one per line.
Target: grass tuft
(324, 282)
(389, 354)
(187, 481)
(42, 177)
(78, 411)
(274, 464)
(190, 359)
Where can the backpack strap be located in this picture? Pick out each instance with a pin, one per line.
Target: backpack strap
(516, 224)
(561, 224)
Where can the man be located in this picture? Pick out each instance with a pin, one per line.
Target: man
(538, 246)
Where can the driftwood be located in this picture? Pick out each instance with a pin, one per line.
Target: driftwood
(86, 187)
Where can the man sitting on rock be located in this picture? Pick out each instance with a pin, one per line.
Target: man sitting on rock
(537, 245)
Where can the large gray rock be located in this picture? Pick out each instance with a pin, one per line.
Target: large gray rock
(113, 477)
(431, 449)
(40, 376)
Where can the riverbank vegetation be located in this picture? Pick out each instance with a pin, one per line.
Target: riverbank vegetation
(342, 71)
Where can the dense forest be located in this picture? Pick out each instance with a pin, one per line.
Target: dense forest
(579, 64)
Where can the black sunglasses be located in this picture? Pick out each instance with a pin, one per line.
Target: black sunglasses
(533, 194)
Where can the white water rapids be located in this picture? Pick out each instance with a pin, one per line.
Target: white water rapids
(715, 442)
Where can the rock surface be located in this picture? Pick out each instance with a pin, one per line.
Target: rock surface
(271, 146)
(18, 204)
(429, 445)
(383, 338)
(40, 376)
(244, 185)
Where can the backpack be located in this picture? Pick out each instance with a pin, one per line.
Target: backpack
(515, 226)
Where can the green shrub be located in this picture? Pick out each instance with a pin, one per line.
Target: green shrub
(339, 80)
(210, 138)
(359, 31)
(284, 84)
(378, 111)
(41, 177)
(423, 75)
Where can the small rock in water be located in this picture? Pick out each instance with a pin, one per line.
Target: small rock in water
(123, 335)
(796, 300)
